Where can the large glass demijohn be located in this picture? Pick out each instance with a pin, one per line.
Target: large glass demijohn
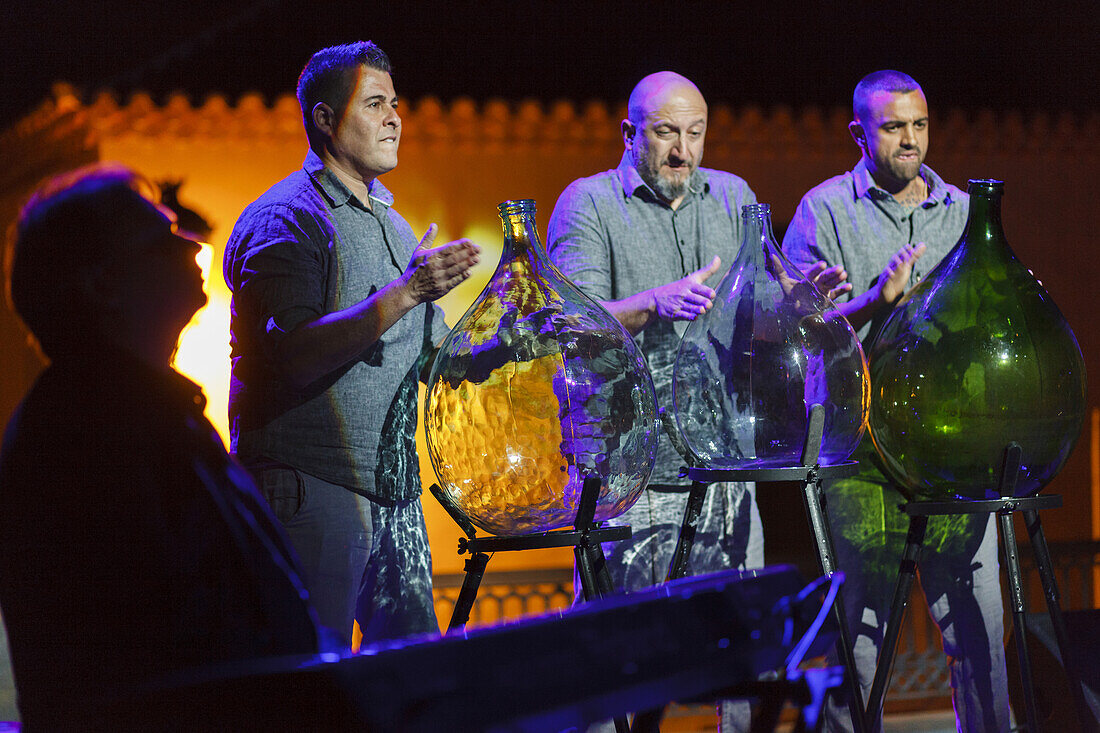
(749, 370)
(536, 388)
(974, 357)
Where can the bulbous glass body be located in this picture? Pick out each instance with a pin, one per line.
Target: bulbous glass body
(536, 388)
(770, 347)
(974, 357)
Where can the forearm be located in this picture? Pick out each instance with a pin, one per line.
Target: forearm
(634, 312)
(861, 309)
(321, 346)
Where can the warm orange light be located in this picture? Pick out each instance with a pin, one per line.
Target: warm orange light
(203, 353)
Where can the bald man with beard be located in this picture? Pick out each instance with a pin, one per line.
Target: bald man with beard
(650, 240)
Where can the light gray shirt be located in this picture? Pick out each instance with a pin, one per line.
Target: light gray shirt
(848, 220)
(614, 238)
(305, 248)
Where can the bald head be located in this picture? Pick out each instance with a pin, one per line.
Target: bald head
(664, 132)
(654, 90)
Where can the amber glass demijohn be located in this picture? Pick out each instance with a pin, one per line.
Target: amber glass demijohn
(975, 357)
(536, 388)
(771, 346)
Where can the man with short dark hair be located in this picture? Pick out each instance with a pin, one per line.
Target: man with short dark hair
(133, 551)
(332, 322)
(887, 222)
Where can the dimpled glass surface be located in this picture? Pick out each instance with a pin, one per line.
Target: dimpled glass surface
(974, 357)
(536, 388)
(770, 347)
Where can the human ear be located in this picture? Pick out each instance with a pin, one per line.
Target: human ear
(628, 134)
(857, 133)
(324, 119)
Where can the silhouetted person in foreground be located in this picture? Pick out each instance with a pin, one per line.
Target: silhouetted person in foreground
(132, 548)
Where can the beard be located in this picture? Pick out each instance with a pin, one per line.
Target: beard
(667, 189)
(906, 171)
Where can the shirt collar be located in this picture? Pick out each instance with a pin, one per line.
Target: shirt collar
(631, 180)
(937, 188)
(334, 190)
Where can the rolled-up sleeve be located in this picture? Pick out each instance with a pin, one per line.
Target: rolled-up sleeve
(578, 243)
(276, 265)
(811, 237)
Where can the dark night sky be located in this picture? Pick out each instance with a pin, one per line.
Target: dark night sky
(997, 55)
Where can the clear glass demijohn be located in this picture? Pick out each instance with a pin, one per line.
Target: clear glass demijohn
(749, 370)
(536, 388)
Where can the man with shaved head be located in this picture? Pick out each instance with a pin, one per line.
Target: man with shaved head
(887, 222)
(649, 240)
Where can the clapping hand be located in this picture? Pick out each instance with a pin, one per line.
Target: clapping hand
(687, 298)
(433, 272)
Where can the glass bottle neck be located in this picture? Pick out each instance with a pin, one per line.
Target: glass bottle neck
(984, 221)
(521, 236)
(757, 222)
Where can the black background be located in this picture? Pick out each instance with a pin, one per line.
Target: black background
(971, 55)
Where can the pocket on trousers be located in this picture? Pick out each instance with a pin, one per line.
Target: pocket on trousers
(284, 491)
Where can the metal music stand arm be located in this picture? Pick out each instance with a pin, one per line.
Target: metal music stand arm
(826, 555)
(1070, 659)
(692, 509)
(585, 540)
(810, 475)
(1009, 473)
(591, 564)
(918, 523)
(1004, 507)
(474, 566)
(884, 665)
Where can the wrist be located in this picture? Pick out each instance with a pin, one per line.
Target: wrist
(401, 295)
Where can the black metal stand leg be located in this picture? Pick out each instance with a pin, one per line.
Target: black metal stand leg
(475, 571)
(598, 563)
(907, 573)
(591, 564)
(1054, 607)
(696, 496)
(826, 557)
(1019, 619)
(589, 584)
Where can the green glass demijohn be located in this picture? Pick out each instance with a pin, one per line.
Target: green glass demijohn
(749, 370)
(535, 389)
(975, 357)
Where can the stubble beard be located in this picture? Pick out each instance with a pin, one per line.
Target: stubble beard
(906, 171)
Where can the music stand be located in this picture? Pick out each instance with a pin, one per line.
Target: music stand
(584, 538)
(810, 474)
(1004, 507)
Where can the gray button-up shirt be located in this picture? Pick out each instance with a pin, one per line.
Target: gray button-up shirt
(850, 221)
(614, 238)
(305, 248)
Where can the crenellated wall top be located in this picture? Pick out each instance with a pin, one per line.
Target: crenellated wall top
(430, 121)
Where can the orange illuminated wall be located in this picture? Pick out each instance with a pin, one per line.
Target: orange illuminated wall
(459, 160)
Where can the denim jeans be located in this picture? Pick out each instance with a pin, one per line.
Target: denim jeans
(729, 536)
(364, 560)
